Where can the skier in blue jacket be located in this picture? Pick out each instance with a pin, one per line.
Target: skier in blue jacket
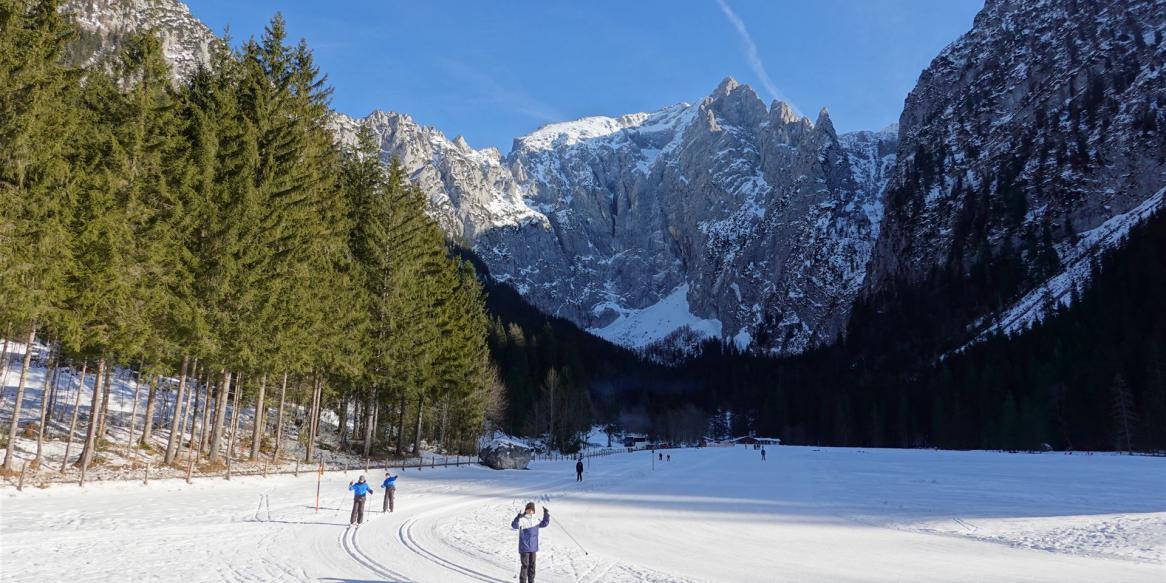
(390, 488)
(528, 539)
(360, 491)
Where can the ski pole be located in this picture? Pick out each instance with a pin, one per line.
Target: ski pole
(564, 529)
(518, 557)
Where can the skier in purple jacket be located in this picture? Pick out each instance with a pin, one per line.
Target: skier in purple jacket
(528, 539)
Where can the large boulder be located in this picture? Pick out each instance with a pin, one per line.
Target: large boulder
(505, 455)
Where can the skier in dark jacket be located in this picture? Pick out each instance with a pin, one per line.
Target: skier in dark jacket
(763, 454)
(360, 491)
(390, 487)
(528, 539)
(579, 471)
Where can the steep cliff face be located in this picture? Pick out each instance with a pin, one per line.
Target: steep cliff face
(104, 24)
(470, 191)
(1042, 123)
(1029, 138)
(738, 220)
(728, 217)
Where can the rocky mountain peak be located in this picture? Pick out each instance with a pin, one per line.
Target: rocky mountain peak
(103, 25)
(1042, 123)
(783, 113)
(823, 124)
(731, 219)
(725, 87)
(739, 106)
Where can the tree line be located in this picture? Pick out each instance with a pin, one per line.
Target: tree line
(1088, 376)
(211, 233)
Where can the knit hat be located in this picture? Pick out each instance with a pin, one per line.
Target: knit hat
(530, 506)
(361, 480)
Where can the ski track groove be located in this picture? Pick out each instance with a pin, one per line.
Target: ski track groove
(350, 547)
(405, 535)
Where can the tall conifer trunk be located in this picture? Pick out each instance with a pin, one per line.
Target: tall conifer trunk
(204, 423)
(401, 427)
(151, 403)
(417, 434)
(257, 430)
(179, 419)
(44, 411)
(94, 408)
(106, 391)
(220, 416)
(73, 422)
(368, 415)
(279, 420)
(10, 450)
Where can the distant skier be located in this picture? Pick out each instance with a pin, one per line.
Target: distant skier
(661, 457)
(528, 539)
(579, 471)
(669, 457)
(763, 454)
(390, 487)
(360, 491)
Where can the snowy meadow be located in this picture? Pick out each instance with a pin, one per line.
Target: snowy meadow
(717, 514)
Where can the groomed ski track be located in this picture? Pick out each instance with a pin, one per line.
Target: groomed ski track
(806, 514)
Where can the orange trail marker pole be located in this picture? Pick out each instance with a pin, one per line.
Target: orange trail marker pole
(319, 476)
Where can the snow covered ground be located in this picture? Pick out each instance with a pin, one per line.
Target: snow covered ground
(638, 328)
(806, 514)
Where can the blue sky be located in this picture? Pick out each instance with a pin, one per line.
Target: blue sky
(492, 71)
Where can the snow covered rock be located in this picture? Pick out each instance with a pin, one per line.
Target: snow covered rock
(733, 219)
(1046, 117)
(503, 454)
(104, 24)
(724, 219)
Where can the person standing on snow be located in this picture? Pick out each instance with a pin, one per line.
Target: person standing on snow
(763, 454)
(360, 491)
(528, 539)
(390, 487)
(579, 471)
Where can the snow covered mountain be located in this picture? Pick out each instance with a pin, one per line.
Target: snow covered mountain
(103, 24)
(728, 217)
(1036, 132)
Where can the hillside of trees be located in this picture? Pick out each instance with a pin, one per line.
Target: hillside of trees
(1089, 376)
(211, 236)
(211, 231)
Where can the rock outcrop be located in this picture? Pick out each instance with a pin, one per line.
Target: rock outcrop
(505, 455)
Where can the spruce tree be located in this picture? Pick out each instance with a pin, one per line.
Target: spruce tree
(38, 179)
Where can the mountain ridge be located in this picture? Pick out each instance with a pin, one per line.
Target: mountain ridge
(754, 224)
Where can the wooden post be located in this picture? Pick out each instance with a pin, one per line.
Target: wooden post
(319, 476)
(228, 467)
(23, 467)
(296, 472)
(189, 469)
(146, 479)
(265, 469)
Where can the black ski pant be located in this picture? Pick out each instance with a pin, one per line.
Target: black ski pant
(578, 476)
(357, 510)
(390, 493)
(526, 572)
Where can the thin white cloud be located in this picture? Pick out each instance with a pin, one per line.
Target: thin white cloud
(751, 55)
(491, 90)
